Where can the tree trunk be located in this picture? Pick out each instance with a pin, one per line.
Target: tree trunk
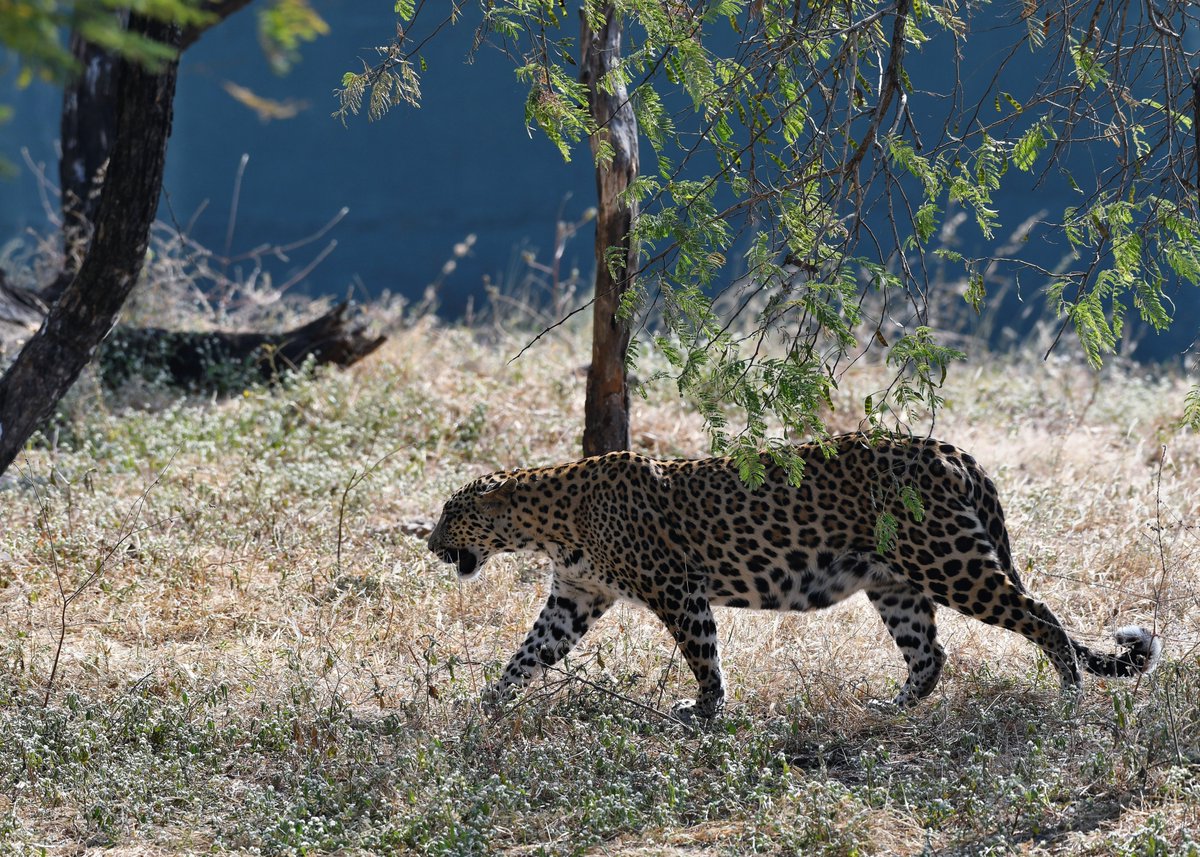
(606, 410)
(89, 121)
(87, 309)
(88, 127)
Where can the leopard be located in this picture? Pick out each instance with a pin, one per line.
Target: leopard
(914, 522)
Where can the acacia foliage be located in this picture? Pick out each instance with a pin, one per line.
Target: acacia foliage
(33, 35)
(31, 31)
(782, 129)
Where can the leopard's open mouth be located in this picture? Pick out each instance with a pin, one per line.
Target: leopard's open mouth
(464, 559)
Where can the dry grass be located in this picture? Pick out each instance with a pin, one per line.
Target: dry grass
(228, 682)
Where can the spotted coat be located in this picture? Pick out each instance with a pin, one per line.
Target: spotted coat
(683, 536)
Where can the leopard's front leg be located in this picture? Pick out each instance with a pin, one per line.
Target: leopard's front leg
(568, 613)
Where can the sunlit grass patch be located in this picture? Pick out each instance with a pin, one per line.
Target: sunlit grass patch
(263, 655)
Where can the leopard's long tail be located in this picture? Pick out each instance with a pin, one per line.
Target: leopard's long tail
(1140, 649)
(1141, 653)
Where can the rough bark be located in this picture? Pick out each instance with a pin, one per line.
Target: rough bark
(606, 410)
(88, 126)
(52, 359)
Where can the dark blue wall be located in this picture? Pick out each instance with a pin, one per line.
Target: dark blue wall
(416, 182)
(420, 180)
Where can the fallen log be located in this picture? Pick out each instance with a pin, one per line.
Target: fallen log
(200, 361)
(221, 361)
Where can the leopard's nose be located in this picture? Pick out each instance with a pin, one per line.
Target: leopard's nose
(435, 539)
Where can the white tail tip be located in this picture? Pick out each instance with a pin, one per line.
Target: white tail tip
(1141, 640)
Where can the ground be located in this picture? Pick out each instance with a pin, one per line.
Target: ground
(258, 653)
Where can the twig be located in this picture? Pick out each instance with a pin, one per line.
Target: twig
(1159, 588)
(658, 712)
(307, 269)
(43, 525)
(44, 185)
(280, 251)
(1158, 538)
(547, 330)
(889, 85)
(476, 688)
(612, 694)
(131, 515)
(356, 479)
(233, 203)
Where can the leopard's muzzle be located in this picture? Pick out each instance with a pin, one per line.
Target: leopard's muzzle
(465, 559)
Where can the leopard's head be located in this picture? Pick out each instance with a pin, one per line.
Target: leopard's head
(477, 522)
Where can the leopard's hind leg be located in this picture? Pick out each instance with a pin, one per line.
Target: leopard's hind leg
(694, 628)
(909, 617)
(972, 580)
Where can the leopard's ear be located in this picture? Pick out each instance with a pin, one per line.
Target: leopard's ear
(497, 496)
